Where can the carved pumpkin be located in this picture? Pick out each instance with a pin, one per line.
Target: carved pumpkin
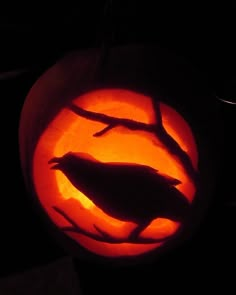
(113, 168)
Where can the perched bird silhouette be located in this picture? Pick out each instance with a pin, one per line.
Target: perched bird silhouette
(127, 191)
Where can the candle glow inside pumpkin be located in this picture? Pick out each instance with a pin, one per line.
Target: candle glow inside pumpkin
(70, 132)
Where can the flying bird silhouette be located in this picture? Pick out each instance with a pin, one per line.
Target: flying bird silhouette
(127, 191)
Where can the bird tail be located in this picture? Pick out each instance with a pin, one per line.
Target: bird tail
(171, 180)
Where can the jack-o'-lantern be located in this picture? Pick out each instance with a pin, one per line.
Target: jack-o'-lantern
(114, 167)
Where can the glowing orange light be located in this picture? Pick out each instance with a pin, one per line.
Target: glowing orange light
(70, 132)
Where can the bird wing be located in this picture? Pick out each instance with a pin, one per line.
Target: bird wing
(148, 169)
(132, 166)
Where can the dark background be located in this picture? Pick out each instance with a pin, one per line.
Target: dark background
(31, 41)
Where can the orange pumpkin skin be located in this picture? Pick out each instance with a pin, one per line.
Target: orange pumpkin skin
(48, 129)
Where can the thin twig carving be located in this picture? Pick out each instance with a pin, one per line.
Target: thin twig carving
(102, 236)
(157, 129)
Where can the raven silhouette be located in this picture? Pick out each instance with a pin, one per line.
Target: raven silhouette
(127, 191)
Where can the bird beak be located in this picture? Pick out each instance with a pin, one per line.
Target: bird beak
(55, 160)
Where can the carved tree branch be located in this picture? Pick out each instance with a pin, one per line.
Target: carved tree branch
(103, 131)
(105, 237)
(158, 129)
(158, 114)
(128, 123)
(172, 145)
